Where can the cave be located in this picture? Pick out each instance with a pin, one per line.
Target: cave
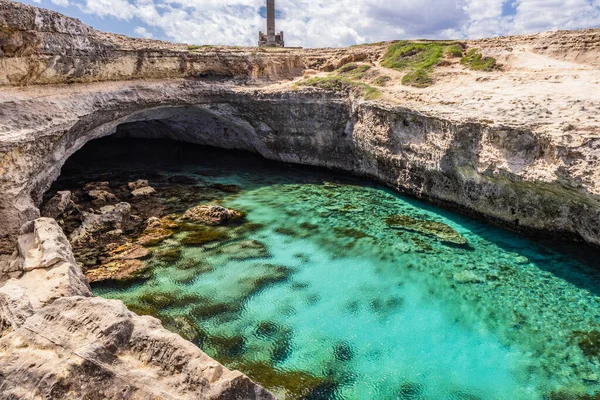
(249, 291)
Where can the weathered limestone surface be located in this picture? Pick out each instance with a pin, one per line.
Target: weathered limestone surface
(514, 175)
(59, 342)
(42, 46)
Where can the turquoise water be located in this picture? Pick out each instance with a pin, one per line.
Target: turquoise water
(316, 296)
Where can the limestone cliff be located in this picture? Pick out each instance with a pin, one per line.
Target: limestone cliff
(519, 145)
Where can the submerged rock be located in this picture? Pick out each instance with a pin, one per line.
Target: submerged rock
(226, 188)
(205, 236)
(169, 255)
(212, 215)
(426, 227)
(124, 262)
(242, 250)
(157, 230)
(467, 277)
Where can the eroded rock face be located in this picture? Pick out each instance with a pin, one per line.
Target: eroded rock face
(108, 218)
(58, 205)
(525, 180)
(82, 347)
(43, 46)
(59, 342)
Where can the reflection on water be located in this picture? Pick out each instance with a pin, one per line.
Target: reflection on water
(335, 288)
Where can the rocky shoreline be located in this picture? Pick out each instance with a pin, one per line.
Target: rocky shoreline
(110, 239)
(57, 341)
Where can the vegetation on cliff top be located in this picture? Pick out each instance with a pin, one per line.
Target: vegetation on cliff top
(420, 59)
(353, 71)
(343, 84)
(477, 62)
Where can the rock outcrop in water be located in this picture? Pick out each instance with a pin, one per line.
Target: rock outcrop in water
(518, 146)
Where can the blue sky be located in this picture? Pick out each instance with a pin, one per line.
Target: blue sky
(322, 23)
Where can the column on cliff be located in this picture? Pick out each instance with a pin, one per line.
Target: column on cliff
(271, 17)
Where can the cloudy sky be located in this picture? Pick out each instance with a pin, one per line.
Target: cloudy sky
(320, 23)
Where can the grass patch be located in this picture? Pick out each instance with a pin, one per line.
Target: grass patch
(455, 51)
(353, 71)
(477, 62)
(368, 44)
(404, 55)
(418, 59)
(382, 80)
(343, 84)
(420, 78)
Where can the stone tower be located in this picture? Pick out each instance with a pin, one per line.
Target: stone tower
(271, 39)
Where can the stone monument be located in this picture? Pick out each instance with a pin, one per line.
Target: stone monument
(270, 39)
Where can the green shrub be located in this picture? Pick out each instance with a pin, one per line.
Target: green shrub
(419, 78)
(477, 62)
(418, 58)
(454, 51)
(353, 70)
(405, 55)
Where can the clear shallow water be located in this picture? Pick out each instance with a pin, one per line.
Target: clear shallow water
(317, 297)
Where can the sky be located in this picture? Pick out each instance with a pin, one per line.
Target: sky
(327, 23)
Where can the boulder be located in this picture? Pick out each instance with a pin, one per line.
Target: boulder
(117, 270)
(58, 205)
(157, 230)
(107, 219)
(15, 306)
(102, 195)
(99, 191)
(123, 262)
(140, 183)
(143, 192)
(44, 265)
(212, 215)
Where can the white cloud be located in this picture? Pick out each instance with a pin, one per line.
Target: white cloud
(142, 32)
(317, 23)
(538, 15)
(62, 3)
